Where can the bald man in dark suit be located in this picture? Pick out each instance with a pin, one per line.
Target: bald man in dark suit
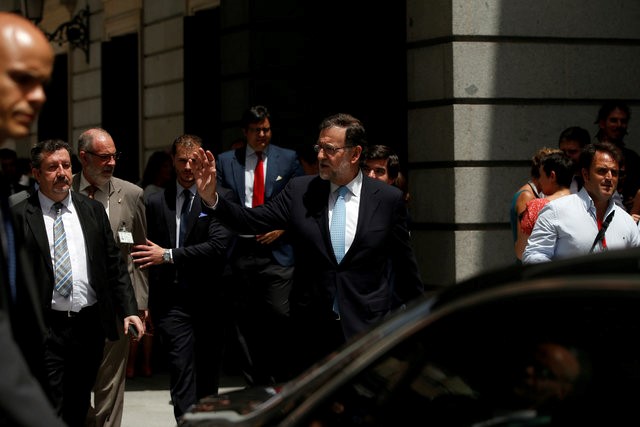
(22, 399)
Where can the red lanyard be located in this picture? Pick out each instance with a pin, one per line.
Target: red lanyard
(604, 241)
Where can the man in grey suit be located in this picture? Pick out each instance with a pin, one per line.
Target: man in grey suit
(336, 294)
(82, 304)
(22, 399)
(124, 204)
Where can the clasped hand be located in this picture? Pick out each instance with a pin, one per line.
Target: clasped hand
(144, 256)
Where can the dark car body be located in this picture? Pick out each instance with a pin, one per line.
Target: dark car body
(470, 356)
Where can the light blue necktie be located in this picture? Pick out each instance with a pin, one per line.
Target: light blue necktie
(338, 221)
(337, 230)
(62, 262)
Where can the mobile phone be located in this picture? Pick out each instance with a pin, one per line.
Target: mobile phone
(133, 331)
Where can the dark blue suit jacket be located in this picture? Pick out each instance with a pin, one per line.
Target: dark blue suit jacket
(282, 165)
(197, 264)
(363, 288)
(23, 399)
(107, 272)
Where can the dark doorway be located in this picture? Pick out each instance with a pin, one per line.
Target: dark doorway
(360, 61)
(53, 122)
(312, 59)
(120, 102)
(202, 77)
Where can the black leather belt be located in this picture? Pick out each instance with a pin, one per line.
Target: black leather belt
(69, 314)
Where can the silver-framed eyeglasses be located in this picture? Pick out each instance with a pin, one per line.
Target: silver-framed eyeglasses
(105, 157)
(329, 149)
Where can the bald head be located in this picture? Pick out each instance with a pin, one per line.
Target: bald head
(26, 63)
(98, 155)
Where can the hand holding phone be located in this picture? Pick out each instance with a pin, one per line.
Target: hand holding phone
(133, 331)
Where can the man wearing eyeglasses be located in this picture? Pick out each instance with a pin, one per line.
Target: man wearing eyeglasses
(262, 263)
(124, 204)
(340, 283)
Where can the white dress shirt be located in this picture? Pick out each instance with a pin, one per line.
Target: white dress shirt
(82, 294)
(568, 226)
(352, 205)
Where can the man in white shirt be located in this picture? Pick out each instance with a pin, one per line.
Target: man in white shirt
(84, 285)
(588, 221)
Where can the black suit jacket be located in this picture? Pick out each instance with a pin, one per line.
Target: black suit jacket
(107, 272)
(360, 280)
(197, 264)
(23, 401)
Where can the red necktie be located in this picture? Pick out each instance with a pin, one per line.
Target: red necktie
(258, 182)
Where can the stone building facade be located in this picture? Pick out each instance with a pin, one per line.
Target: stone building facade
(465, 90)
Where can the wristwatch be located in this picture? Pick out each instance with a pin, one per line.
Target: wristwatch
(166, 256)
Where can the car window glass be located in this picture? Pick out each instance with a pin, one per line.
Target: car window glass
(539, 360)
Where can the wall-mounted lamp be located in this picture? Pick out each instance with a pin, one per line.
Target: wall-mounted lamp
(75, 31)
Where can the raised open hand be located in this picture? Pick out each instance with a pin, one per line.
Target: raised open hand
(205, 174)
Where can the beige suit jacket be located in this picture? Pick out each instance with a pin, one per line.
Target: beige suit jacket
(126, 207)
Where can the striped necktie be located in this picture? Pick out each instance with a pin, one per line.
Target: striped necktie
(62, 262)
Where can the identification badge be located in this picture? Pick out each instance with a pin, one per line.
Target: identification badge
(125, 237)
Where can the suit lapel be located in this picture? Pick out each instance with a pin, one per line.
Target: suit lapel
(87, 222)
(316, 202)
(272, 171)
(115, 207)
(237, 168)
(369, 202)
(35, 223)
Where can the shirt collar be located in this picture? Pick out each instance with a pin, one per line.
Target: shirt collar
(46, 203)
(588, 201)
(84, 184)
(251, 151)
(354, 187)
(180, 189)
